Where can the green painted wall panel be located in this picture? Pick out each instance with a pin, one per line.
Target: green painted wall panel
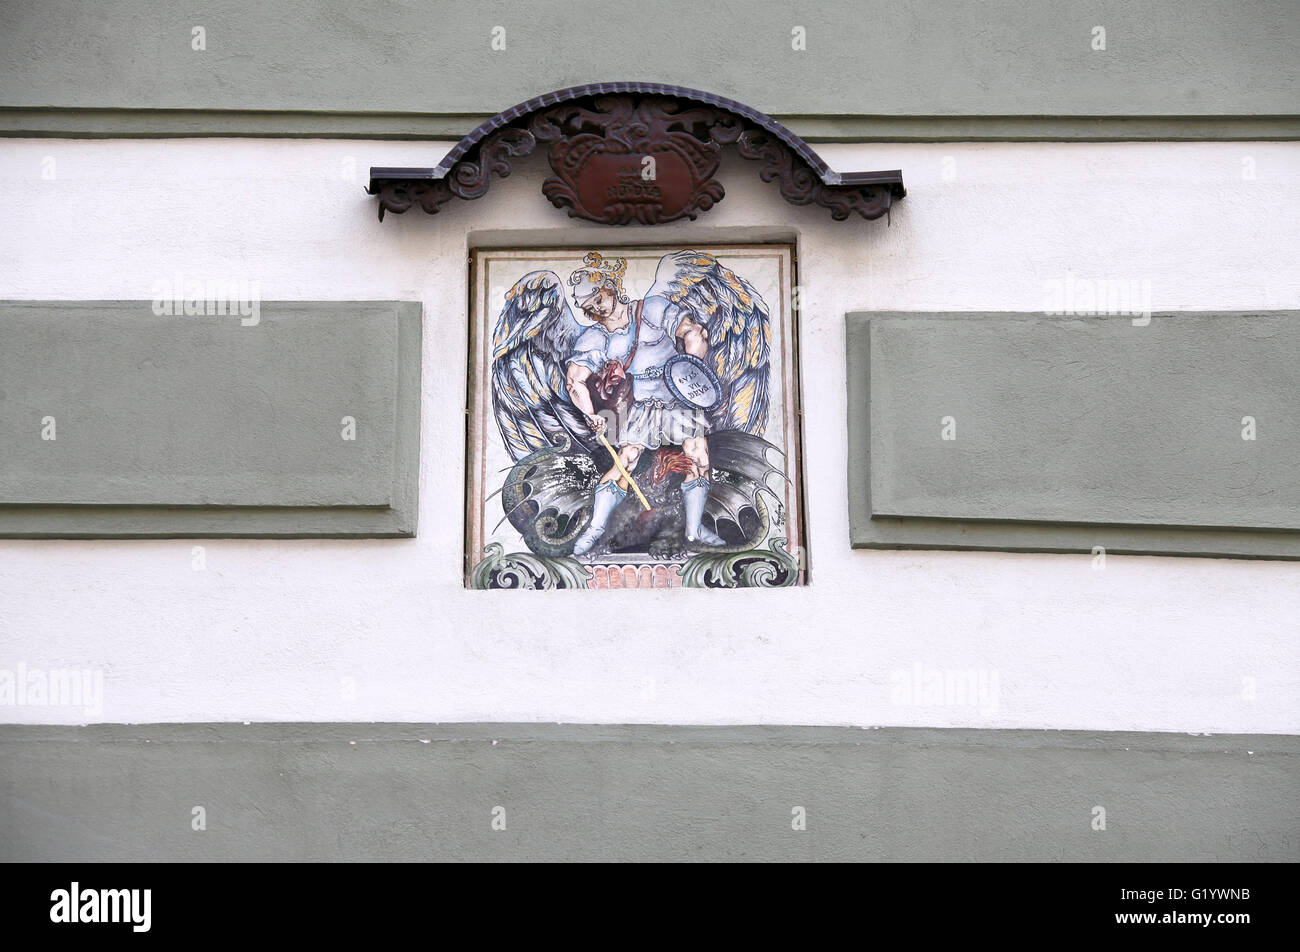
(117, 420)
(1075, 432)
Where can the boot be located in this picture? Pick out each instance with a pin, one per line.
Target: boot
(695, 493)
(604, 501)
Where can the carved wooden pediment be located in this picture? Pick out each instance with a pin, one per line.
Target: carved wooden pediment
(635, 152)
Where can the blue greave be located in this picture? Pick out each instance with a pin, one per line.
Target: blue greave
(603, 502)
(695, 494)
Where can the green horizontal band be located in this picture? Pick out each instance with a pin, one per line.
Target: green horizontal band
(198, 123)
(420, 792)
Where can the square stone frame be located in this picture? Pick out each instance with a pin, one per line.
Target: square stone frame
(478, 400)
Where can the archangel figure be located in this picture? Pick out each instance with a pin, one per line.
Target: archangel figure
(581, 392)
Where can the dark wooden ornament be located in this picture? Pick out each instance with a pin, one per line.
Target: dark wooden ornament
(635, 152)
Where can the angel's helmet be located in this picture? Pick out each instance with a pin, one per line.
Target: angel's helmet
(599, 275)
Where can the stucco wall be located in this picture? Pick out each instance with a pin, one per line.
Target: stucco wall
(383, 630)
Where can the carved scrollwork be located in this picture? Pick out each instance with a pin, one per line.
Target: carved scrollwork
(801, 186)
(400, 197)
(471, 179)
(468, 179)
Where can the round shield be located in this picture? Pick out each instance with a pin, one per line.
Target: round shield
(691, 381)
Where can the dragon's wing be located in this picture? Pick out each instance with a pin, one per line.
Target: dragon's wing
(739, 327)
(534, 337)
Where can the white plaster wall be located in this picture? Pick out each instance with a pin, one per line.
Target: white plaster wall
(272, 629)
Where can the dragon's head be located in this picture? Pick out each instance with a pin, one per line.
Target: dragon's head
(669, 461)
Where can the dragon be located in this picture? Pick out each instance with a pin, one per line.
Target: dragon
(547, 498)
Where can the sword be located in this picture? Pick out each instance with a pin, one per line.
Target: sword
(626, 475)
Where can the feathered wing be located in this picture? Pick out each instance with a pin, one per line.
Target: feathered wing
(534, 337)
(740, 333)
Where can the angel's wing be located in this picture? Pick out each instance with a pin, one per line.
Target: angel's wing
(740, 332)
(532, 342)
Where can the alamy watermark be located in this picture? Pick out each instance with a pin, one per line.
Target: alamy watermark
(76, 904)
(58, 687)
(178, 297)
(1085, 297)
(923, 686)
